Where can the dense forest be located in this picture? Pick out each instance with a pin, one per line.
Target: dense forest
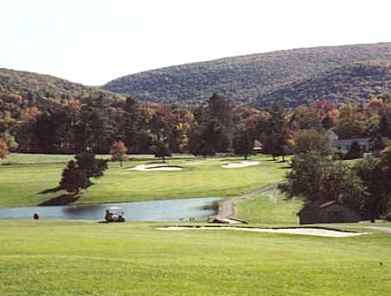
(217, 126)
(47, 91)
(355, 82)
(341, 72)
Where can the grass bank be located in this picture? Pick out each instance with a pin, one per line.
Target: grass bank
(269, 207)
(23, 176)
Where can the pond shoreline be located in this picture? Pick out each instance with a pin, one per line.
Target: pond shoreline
(157, 210)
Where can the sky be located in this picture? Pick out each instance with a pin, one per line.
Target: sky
(95, 41)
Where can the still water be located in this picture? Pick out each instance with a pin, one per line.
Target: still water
(162, 210)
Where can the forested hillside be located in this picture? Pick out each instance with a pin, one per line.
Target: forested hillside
(45, 90)
(258, 78)
(355, 82)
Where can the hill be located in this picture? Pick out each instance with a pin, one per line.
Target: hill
(357, 82)
(46, 90)
(258, 78)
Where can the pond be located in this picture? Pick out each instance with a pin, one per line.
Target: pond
(159, 210)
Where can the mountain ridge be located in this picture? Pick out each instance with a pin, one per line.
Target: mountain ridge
(244, 78)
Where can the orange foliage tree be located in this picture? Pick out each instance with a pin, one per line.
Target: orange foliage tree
(3, 149)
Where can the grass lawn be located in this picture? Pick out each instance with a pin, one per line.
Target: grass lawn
(269, 208)
(85, 258)
(27, 175)
(67, 258)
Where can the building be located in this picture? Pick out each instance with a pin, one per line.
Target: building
(258, 147)
(327, 212)
(343, 146)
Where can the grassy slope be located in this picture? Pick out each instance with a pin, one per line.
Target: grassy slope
(21, 181)
(269, 208)
(83, 258)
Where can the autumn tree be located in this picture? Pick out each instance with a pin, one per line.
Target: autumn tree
(119, 151)
(352, 122)
(311, 140)
(161, 132)
(3, 149)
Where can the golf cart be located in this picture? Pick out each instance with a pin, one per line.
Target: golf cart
(114, 214)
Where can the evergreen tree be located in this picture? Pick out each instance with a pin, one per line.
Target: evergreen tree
(243, 143)
(74, 178)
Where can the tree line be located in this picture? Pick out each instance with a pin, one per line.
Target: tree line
(217, 126)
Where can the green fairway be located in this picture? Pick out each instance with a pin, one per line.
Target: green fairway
(269, 208)
(85, 258)
(27, 175)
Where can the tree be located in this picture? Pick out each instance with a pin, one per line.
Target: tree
(74, 178)
(341, 184)
(3, 149)
(243, 142)
(311, 140)
(119, 151)
(317, 178)
(213, 129)
(275, 136)
(376, 175)
(162, 150)
(352, 122)
(77, 174)
(208, 139)
(92, 166)
(305, 177)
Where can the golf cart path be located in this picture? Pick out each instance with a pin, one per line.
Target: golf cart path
(380, 228)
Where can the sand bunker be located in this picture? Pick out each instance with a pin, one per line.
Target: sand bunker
(241, 164)
(302, 231)
(155, 167)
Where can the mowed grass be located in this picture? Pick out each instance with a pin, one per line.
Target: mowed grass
(270, 207)
(85, 258)
(26, 175)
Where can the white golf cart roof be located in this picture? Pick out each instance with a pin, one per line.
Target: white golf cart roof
(115, 209)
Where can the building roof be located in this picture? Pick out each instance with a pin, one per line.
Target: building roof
(351, 141)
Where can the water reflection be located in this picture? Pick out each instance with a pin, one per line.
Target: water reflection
(162, 210)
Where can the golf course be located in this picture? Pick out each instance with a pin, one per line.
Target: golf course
(81, 257)
(24, 176)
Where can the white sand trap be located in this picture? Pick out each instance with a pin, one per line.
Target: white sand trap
(155, 167)
(302, 231)
(242, 164)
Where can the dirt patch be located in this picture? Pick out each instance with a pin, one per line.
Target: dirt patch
(241, 164)
(324, 232)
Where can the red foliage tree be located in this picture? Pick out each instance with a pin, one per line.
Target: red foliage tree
(119, 151)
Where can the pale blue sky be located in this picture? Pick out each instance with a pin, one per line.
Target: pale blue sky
(94, 41)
